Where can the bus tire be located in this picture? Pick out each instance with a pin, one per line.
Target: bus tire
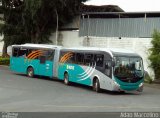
(66, 79)
(96, 85)
(30, 72)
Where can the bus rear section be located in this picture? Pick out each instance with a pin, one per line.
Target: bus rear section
(32, 60)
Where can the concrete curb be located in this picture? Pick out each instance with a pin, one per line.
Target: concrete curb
(4, 66)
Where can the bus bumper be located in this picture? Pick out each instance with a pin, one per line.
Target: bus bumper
(117, 87)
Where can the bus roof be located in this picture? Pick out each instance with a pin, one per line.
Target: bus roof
(47, 46)
(111, 51)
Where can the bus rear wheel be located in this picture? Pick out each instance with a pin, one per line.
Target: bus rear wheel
(30, 72)
(66, 79)
(96, 85)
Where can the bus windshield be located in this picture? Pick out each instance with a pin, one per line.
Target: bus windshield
(129, 67)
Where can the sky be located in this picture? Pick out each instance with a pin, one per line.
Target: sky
(130, 5)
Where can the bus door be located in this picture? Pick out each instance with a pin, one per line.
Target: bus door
(108, 68)
(18, 59)
(46, 63)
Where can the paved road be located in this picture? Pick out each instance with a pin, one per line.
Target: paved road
(23, 94)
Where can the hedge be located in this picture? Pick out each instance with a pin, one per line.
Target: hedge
(4, 61)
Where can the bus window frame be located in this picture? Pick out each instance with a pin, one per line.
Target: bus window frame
(78, 62)
(13, 51)
(103, 59)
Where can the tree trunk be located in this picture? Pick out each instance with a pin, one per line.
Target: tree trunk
(4, 51)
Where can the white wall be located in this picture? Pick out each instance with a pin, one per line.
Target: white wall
(138, 45)
(1, 44)
(67, 39)
(1, 47)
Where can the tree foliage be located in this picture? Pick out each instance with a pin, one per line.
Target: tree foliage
(32, 21)
(154, 56)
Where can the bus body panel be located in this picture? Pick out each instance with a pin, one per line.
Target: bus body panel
(46, 69)
(75, 73)
(84, 75)
(17, 64)
(20, 65)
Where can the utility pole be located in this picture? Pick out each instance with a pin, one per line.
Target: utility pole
(56, 27)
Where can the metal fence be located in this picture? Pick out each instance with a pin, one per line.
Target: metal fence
(119, 27)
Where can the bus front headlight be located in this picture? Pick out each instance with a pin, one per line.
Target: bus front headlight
(141, 85)
(140, 89)
(116, 84)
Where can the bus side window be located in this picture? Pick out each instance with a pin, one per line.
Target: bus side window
(99, 59)
(22, 52)
(108, 68)
(65, 57)
(50, 55)
(62, 53)
(80, 58)
(71, 59)
(88, 58)
(29, 51)
(15, 52)
(42, 59)
(32, 54)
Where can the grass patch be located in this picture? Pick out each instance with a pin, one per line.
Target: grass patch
(4, 61)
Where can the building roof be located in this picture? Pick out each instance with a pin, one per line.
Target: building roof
(119, 24)
(90, 9)
(103, 8)
(120, 14)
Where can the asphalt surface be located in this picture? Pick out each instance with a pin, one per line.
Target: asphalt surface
(19, 93)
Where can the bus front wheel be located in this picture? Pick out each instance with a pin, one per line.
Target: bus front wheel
(96, 85)
(66, 79)
(30, 72)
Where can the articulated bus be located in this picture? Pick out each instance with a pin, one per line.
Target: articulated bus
(101, 68)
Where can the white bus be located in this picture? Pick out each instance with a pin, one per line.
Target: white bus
(101, 68)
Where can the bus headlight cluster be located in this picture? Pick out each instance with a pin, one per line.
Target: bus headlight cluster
(141, 84)
(116, 84)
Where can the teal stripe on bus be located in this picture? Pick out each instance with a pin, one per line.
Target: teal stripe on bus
(74, 71)
(20, 65)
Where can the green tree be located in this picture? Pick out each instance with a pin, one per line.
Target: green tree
(33, 21)
(154, 56)
(12, 28)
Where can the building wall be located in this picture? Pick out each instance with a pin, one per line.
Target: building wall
(67, 39)
(1, 45)
(138, 45)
